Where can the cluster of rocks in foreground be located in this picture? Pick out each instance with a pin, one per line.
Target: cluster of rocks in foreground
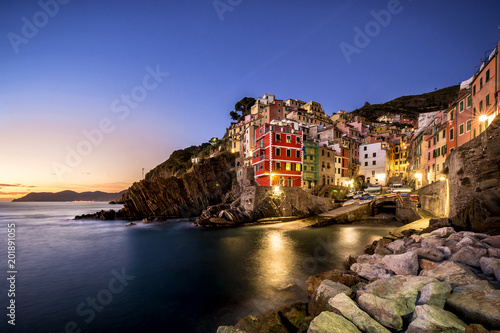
(443, 281)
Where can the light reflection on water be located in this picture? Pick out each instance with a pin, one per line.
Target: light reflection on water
(185, 277)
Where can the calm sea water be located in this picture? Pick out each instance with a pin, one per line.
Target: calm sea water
(101, 276)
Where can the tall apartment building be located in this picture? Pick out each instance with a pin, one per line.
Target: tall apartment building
(374, 162)
(277, 158)
(485, 88)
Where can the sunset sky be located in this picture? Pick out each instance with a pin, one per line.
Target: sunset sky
(91, 92)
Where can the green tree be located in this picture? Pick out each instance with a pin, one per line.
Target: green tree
(244, 105)
(234, 115)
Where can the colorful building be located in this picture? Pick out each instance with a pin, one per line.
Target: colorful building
(485, 87)
(277, 158)
(374, 162)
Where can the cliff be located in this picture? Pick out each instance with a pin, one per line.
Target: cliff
(185, 196)
(474, 175)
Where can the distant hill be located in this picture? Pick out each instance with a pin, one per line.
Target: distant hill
(412, 105)
(71, 196)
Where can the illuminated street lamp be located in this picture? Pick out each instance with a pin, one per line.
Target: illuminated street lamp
(483, 118)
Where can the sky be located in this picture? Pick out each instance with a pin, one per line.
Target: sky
(92, 92)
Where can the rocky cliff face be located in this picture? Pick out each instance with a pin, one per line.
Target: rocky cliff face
(186, 196)
(474, 174)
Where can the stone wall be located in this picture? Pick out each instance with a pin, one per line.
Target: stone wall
(474, 174)
(406, 211)
(434, 198)
(288, 201)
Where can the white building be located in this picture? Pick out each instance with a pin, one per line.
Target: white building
(374, 162)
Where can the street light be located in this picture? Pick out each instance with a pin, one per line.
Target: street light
(483, 118)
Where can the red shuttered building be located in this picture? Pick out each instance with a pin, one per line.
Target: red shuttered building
(277, 158)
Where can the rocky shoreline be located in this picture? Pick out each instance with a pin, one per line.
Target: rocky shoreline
(413, 281)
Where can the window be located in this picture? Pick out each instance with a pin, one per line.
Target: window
(373, 172)
(261, 165)
(297, 167)
(288, 139)
(364, 148)
(461, 108)
(278, 166)
(451, 134)
(480, 83)
(374, 162)
(474, 90)
(366, 163)
(312, 168)
(374, 154)
(328, 165)
(305, 167)
(366, 155)
(297, 153)
(444, 134)
(468, 125)
(297, 139)
(469, 101)
(480, 106)
(487, 78)
(487, 99)
(480, 128)
(322, 152)
(278, 137)
(443, 150)
(278, 152)
(256, 168)
(328, 154)
(474, 112)
(474, 135)
(339, 170)
(429, 155)
(288, 166)
(461, 129)
(437, 167)
(452, 114)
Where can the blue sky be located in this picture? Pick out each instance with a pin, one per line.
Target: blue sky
(64, 78)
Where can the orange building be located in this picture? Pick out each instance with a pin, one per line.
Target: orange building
(485, 87)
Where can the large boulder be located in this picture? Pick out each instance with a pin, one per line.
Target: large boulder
(326, 290)
(443, 232)
(435, 294)
(350, 310)
(490, 266)
(385, 311)
(397, 247)
(388, 300)
(453, 273)
(293, 314)
(469, 255)
(493, 241)
(313, 282)
(402, 264)
(478, 303)
(331, 323)
(371, 271)
(430, 254)
(268, 321)
(433, 319)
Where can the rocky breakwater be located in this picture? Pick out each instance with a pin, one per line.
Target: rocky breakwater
(442, 281)
(209, 183)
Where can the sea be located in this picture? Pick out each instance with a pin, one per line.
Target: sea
(103, 276)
